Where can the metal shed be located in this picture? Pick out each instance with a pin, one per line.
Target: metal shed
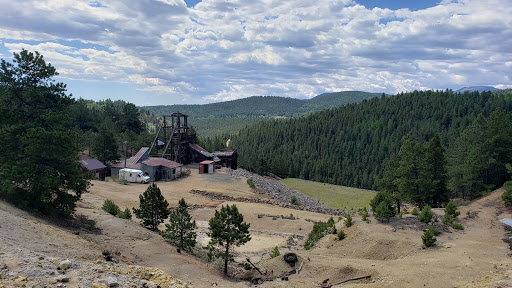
(207, 167)
(161, 169)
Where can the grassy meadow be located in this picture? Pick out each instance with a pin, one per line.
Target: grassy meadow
(333, 196)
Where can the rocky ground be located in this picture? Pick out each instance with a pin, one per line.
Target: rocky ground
(36, 252)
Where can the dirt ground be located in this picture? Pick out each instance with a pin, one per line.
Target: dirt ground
(384, 255)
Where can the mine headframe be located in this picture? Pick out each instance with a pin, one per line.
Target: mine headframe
(173, 139)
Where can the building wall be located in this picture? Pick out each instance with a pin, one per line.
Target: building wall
(161, 173)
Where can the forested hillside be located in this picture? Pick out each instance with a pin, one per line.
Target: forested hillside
(214, 119)
(104, 127)
(349, 145)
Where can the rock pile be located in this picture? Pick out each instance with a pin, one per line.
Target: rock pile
(282, 195)
(42, 271)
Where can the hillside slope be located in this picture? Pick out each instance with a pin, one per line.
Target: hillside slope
(348, 145)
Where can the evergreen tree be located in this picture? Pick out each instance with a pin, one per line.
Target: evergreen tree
(227, 228)
(38, 155)
(382, 206)
(153, 207)
(411, 178)
(436, 173)
(180, 230)
(130, 119)
(104, 145)
(389, 180)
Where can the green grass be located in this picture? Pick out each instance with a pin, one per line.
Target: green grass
(333, 196)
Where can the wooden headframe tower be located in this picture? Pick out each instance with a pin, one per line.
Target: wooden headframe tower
(174, 134)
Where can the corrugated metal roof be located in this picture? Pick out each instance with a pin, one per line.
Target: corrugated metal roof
(153, 162)
(137, 158)
(128, 165)
(134, 161)
(224, 153)
(201, 150)
(92, 164)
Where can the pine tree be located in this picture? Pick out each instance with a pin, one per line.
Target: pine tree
(410, 172)
(436, 173)
(227, 228)
(153, 207)
(104, 145)
(39, 151)
(180, 230)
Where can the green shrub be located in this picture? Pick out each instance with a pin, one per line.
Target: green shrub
(126, 214)
(250, 182)
(341, 235)
(348, 221)
(295, 201)
(450, 213)
(415, 212)
(507, 195)
(110, 207)
(275, 252)
(428, 238)
(426, 214)
(457, 226)
(382, 205)
(316, 234)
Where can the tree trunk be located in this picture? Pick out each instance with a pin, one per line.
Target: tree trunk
(226, 258)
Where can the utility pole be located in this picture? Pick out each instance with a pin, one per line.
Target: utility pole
(125, 148)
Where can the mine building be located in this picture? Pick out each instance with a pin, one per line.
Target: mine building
(95, 166)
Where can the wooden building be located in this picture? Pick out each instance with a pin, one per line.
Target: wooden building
(95, 166)
(228, 158)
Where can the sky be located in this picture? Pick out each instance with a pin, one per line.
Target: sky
(160, 52)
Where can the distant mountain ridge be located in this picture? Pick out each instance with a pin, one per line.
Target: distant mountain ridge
(265, 106)
(214, 119)
(476, 88)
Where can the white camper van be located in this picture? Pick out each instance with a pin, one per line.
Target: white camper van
(133, 175)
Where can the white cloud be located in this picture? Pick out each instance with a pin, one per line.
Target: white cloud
(224, 50)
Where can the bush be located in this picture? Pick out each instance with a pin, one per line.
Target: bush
(250, 182)
(295, 201)
(428, 237)
(382, 205)
(341, 235)
(450, 213)
(348, 221)
(415, 212)
(457, 226)
(316, 234)
(426, 214)
(507, 195)
(334, 230)
(126, 214)
(275, 252)
(110, 207)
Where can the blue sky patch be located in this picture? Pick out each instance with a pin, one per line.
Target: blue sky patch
(412, 5)
(96, 4)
